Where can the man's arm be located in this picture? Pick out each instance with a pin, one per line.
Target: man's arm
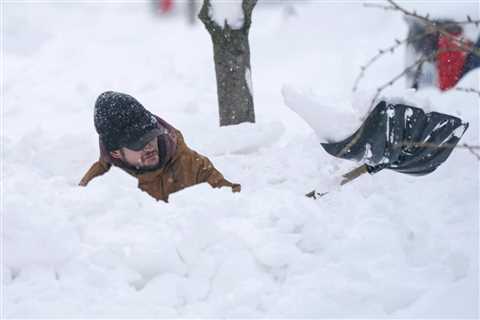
(97, 169)
(206, 172)
(200, 168)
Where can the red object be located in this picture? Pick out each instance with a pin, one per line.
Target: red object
(450, 61)
(165, 5)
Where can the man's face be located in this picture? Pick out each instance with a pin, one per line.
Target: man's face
(147, 158)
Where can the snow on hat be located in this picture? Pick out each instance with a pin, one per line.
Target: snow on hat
(121, 121)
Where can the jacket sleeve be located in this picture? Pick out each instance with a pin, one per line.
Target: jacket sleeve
(206, 172)
(97, 169)
(201, 168)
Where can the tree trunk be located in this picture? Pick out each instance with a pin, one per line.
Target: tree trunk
(232, 66)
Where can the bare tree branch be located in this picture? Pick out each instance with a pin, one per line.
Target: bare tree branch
(444, 145)
(472, 150)
(469, 90)
(432, 28)
(397, 77)
(459, 42)
(392, 8)
(434, 145)
(382, 52)
(379, 6)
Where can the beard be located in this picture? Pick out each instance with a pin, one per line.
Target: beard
(147, 162)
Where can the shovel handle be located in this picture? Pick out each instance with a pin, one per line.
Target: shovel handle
(354, 174)
(347, 177)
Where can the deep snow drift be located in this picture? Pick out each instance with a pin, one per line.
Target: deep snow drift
(387, 245)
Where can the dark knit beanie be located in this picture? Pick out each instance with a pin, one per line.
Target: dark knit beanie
(121, 121)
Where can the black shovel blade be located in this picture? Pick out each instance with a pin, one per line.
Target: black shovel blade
(401, 138)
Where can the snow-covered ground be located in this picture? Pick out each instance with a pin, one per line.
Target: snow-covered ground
(387, 245)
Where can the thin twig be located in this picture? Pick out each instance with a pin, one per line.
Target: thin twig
(391, 8)
(397, 77)
(469, 90)
(382, 52)
(378, 6)
(444, 145)
(405, 71)
(472, 150)
(461, 44)
(433, 27)
(434, 145)
(475, 22)
(374, 99)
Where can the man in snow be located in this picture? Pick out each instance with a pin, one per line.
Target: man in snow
(148, 148)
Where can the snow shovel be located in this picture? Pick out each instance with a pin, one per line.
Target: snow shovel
(400, 138)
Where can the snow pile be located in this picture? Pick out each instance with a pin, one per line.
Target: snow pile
(245, 138)
(227, 13)
(321, 112)
(387, 245)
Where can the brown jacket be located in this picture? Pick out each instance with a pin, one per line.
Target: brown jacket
(182, 168)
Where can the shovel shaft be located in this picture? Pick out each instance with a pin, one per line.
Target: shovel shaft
(347, 177)
(354, 174)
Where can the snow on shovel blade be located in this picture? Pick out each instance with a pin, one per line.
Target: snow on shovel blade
(401, 138)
